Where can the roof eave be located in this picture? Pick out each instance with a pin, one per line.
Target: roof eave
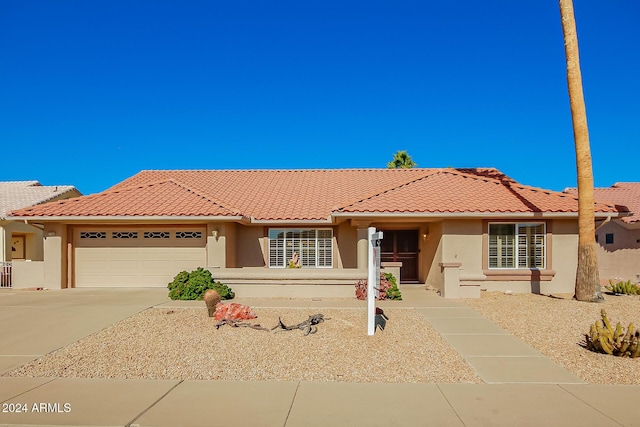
(291, 221)
(98, 218)
(471, 214)
(629, 225)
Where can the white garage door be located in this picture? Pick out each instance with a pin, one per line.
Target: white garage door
(132, 257)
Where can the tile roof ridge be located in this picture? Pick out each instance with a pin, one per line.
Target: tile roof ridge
(625, 184)
(566, 194)
(179, 184)
(59, 190)
(282, 170)
(510, 183)
(23, 184)
(218, 202)
(428, 172)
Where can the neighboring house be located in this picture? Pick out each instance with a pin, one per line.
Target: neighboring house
(619, 239)
(21, 240)
(458, 230)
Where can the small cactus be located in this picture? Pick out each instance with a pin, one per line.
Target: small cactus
(602, 338)
(621, 287)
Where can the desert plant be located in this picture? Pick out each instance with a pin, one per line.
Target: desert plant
(602, 338)
(393, 292)
(388, 288)
(192, 286)
(622, 287)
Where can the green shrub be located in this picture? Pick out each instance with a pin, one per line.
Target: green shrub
(393, 292)
(192, 286)
(388, 288)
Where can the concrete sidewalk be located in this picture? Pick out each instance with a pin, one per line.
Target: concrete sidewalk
(102, 402)
(522, 386)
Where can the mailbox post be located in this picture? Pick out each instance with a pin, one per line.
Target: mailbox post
(373, 279)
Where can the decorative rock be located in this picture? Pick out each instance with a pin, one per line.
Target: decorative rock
(211, 298)
(234, 311)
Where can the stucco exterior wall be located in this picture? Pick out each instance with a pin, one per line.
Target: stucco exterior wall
(462, 242)
(250, 246)
(231, 235)
(53, 267)
(220, 239)
(28, 274)
(345, 239)
(33, 240)
(562, 258)
(619, 260)
(55, 256)
(432, 257)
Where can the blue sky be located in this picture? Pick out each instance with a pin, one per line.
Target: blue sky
(91, 92)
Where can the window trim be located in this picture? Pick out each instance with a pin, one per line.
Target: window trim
(518, 274)
(286, 230)
(517, 244)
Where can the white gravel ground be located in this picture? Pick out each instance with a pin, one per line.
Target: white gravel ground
(184, 344)
(555, 325)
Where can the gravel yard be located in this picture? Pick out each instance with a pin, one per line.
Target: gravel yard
(555, 326)
(183, 343)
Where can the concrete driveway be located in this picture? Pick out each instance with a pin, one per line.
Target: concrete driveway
(35, 323)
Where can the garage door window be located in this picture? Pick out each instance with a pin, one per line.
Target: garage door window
(189, 235)
(93, 235)
(157, 234)
(124, 234)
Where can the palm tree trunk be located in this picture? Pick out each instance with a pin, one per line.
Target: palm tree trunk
(587, 278)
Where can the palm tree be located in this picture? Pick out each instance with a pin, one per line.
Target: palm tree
(587, 278)
(401, 160)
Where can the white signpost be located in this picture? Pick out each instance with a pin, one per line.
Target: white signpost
(373, 279)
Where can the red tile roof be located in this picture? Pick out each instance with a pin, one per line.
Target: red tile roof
(310, 195)
(283, 194)
(625, 195)
(166, 198)
(454, 192)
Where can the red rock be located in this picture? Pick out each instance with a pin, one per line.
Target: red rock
(234, 311)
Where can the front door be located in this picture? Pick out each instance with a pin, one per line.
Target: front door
(402, 246)
(18, 247)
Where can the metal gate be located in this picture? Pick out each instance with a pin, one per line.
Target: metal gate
(5, 274)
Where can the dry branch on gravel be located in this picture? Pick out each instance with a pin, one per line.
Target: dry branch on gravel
(308, 326)
(240, 324)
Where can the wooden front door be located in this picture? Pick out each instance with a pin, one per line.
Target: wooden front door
(402, 246)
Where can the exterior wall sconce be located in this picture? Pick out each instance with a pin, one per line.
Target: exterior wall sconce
(424, 236)
(214, 233)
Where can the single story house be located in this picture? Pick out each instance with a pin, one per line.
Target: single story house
(458, 230)
(619, 238)
(21, 241)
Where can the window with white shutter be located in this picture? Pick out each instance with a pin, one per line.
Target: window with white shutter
(518, 245)
(314, 247)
